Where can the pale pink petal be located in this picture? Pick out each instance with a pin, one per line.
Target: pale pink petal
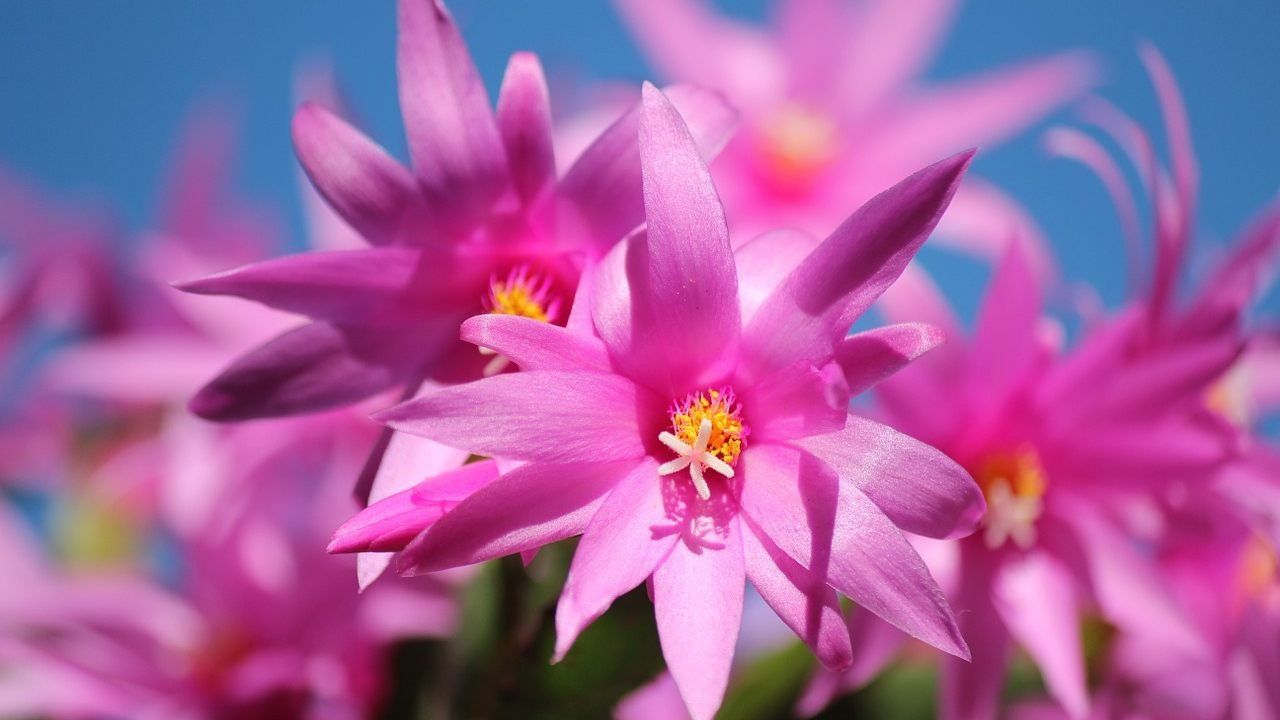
(914, 297)
(620, 548)
(697, 601)
(453, 139)
(557, 416)
(531, 506)
(1036, 598)
(873, 355)
(535, 345)
(389, 524)
(1182, 152)
(887, 46)
(765, 261)
(982, 220)
(367, 187)
(797, 402)
(875, 644)
(835, 530)
(660, 698)
(971, 690)
(813, 308)
(802, 599)
(921, 489)
(524, 120)
(1005, 330)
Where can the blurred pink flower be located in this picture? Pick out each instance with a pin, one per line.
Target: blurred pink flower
(704, 438)
(833, 108)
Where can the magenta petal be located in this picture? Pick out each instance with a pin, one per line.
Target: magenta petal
(554, 416)
(368, 188)
(531, 506)
(618, 551)
(1036, 598)
(921, 489)
(971, 690)
(797, 402)
(524, 120)
(535, 345)
(765, 261)
(390, 523)
(875, 644)
(369, 285)
(835, 530)
(802, 599)
(813, 308)
(602, 188)
(314, 367)
(697, 600)
(453, 140)
(1005, 332)
(871, 356)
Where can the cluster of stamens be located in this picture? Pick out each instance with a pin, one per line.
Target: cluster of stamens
(797, 144)
(706, 432)
(1014, 484)
(523, 293)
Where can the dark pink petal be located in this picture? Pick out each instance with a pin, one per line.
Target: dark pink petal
(697, 600)
(921, 489)
(833, 529)
(620, 548)
(531, 506)
(602, 189)
(535, 345)
(971, 690)
(1148, 453)
(552, 416)
(803, 600)
(390, 523)
(453, 139)
(524, 120)
(873, 355)
(813, 308)
(315, 367)
(373, 285)
(1035, 596)
(368, 188)
(797, 402)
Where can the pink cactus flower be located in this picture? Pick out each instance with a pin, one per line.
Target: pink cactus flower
(703, 438)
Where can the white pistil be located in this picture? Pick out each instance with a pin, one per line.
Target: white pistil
(1010, 516)
(695, 457)
(497, 364)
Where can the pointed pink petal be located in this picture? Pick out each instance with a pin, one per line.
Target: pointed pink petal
(314, 367)
(524, 120)
(697, 600)
(603, 188)
(690, 291)
(371, 285)
(813, 308)
(531, 506)
(368, 188)
(552, 415)
(921, 490)
(835, 530)
(971, 690)
(887, 45)
(1182, 153)
(875, 643)
(453, 140)
(802, 599)
(983, 220)
(535, 345)
(873, 355)
(389, 524)
(1006, 329)
(618, 551)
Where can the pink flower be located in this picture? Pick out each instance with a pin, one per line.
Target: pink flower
(703, 439)
(481, 223)
(833, 110)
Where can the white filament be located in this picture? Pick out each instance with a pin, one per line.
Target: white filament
(695, 457)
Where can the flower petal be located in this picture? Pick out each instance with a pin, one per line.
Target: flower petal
(365, 185)
(813, 308)
(453, 139)
(873, 355)
(803, 600)
(765, 261)
(797, 402)
(524, 120)
(618, 551)
(887, 45)
(972, 689)
(553, 416)
(921, 489)
(697, 600)
(390, 523)
(531, 506)
(1005, 330)
(314, 367)
(835, 530)
(535, 345)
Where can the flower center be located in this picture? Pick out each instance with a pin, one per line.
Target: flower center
(797, 144)
(1229, 397)
(1014, 484)
(523, 293)
(706, 432)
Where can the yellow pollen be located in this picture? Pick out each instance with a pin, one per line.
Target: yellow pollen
(727, 432)
(516, 300)
(1013, 484)
(798, 143)
(1020, 470)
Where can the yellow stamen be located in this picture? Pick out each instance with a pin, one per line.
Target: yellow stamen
(726, 425)
(1014, 484)
(798, 143)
